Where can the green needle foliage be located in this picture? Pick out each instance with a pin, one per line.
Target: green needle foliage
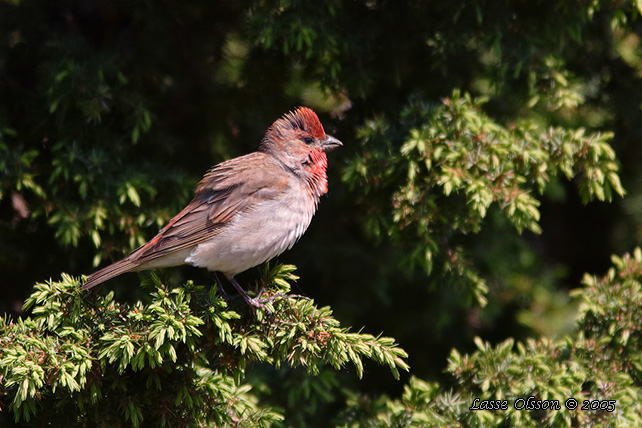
(178, 359)
(599, 366)
(431, 179)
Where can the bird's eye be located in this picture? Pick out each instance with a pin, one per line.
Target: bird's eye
(308, 140)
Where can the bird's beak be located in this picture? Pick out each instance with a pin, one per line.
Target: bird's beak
(330, 143)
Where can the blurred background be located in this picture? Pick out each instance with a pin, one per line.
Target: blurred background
(111, 111)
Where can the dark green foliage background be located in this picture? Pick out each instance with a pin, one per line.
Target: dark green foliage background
(110, 111)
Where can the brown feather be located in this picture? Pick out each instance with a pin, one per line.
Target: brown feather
(109, 272)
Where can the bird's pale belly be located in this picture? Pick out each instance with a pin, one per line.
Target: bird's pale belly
(253, 238)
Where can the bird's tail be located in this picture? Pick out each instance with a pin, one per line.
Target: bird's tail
(109, 272)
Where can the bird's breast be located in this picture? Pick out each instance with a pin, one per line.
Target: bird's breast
(258, 234)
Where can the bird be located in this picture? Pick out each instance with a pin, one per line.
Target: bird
(246, 210)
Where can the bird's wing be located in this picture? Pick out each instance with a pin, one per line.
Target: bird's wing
(228, 189)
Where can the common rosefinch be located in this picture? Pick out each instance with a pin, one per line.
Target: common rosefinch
(246, 210)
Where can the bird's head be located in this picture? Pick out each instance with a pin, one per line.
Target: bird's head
(298, 139)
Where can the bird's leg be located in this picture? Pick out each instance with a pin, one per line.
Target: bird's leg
(224, 294)
(250, 301)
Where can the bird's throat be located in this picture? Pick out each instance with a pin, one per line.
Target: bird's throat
(317, 168)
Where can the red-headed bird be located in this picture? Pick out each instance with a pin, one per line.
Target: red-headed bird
(246, 210)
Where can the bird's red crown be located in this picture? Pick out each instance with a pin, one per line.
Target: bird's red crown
(306, 120)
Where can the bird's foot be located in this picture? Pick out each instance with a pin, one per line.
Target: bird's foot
(255, 302)
(272, 297)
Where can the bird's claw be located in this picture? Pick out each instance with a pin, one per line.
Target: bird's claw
(255, 303)
(272, 297)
